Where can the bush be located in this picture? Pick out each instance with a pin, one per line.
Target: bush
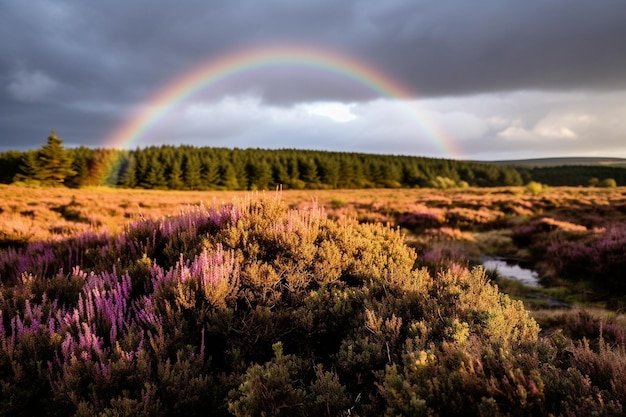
(607, 183)
(534, 188)
(337, 202)
(599, 255)
(255, 309)
(442, 183)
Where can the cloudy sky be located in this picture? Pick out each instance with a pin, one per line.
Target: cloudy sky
(495, 79)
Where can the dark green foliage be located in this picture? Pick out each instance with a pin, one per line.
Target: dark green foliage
(10, 163)
(574, 175)
(228, 177)
(187, 167)
(54, 165)
(175, 176)
(329, 173)
(128, 174)
(308, 171)
(259, 175)
(50, 165)
(279, 174)
(210, 176)
(192, 172)
(28, 169)
(155, 177)
(81, 160)
(142, 166)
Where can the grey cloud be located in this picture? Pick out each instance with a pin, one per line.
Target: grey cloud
(437, 48)
(31, 86)
(115, 54)
(456, 48)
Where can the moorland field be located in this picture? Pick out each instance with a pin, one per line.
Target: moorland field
(311, 302)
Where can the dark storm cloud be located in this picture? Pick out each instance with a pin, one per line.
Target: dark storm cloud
(463, 47)
(79, 67)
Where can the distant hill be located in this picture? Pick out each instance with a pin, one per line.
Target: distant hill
(575, 171)
(553, 162)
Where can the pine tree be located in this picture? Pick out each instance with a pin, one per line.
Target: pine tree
(329, 172)
(191, 169)
(210, 173)
(279, 173)
(28, 169)
(292, 168)
(9, 166)
(391, 175)
(51, 165)
(308, 171)
(55, 163)
(115, 161)
(239, 167)
(155, 179)
(128, 172)
(175, 176)
(142, 168)
(228, 177)
(259, 175)
(80, 164)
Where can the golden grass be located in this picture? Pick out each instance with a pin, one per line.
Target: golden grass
(31, 214)
(36, 214)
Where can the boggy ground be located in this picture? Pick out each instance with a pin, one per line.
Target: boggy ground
(252, 309)
(574, 237)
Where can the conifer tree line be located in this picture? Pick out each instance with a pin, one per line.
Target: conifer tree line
(575, 175)
(50, 165)
(206, 168)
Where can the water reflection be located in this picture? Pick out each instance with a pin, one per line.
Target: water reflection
(510, 270)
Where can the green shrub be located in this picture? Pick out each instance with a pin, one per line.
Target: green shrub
(337, 202)
(271, 311)
(607, 183)
(534, 188)
(442, 183)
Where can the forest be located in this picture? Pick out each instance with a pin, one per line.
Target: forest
(193, 168)
(602, 176)
(205, 168)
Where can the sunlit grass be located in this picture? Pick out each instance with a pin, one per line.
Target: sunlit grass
(220, 280)
(467, 223)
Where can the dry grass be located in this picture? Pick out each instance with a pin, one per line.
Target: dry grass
(471, 222)
(32, 214)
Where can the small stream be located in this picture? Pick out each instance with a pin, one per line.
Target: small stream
(509, 269)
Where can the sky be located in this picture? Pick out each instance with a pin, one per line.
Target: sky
(489, 80)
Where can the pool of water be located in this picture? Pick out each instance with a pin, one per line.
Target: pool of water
(511, 270)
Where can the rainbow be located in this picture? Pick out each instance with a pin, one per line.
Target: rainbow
(218, 69)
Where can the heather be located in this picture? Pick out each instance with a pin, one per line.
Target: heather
(255, 308)
(591, 258)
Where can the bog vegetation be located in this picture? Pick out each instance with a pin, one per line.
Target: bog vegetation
(255, 308)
